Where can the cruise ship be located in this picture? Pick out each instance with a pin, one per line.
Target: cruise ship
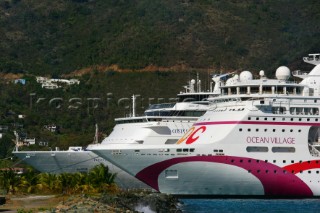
(161, 124)
(259, 138)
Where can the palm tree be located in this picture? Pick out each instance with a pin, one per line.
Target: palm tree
(48, 182)
(100, 177)
(81, 183)
(29, 181)
(9, 180)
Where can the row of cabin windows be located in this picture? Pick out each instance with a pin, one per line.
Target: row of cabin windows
(175, 113)
(192, 150)
(185, 150)
(194, 114)
(262, 90)
(273, 149)
(131, 121)
(273, 130)
(279, 171)
(239, 109)
(266, 161)
(283, 119)
(296, 110)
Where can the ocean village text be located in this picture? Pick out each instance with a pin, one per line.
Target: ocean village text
(271, 140)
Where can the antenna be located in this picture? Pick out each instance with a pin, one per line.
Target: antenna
(133, 106)
(17, 139)
(96, 136)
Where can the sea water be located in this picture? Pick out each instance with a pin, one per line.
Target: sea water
(250, 205)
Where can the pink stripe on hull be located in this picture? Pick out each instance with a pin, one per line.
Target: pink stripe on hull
(275, 180)
(299, 167)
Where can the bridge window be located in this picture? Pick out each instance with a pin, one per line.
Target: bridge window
(257, 149)
(284, 149)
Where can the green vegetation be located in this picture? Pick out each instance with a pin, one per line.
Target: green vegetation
(55, 37)
(98, 180)
(73, 110)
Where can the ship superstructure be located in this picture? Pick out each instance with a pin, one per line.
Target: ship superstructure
(260, 137)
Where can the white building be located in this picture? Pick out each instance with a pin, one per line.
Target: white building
(55, 83)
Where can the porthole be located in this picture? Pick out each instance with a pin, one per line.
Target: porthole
(257, 130)
(309, 172)
(265, 130)
(249, 118)
(266, 161)
(283, 119)
(284, 161)
(291, 119)
(292, 161)
(274, 130)
(274, 119)
(265, 119)
(240, 129)
(267, 171)
(291, 130)
(300, 119)
(292, 171)
(274, 161)
(283, 130)
(308, 119)
(249, 171)
(275, 171)
(241, 161)
(249, 161)
(299, 130)
(258, 171)
(249, 130)
(317, 172)
(316, 119)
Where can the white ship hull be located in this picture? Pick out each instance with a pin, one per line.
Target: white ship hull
(57, 162)
(217, 174)
(155, 132)
(259, 138)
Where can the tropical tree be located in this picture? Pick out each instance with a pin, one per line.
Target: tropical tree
(9, 180)
(82, 183)
(66, 182)
(48, 182)
(100, 178)
(29, 181)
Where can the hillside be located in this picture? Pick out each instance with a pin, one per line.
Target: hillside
(99, 98)
(59, 37)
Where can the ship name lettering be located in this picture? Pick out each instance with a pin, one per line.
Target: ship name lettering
(98, 159)
(271, 140)
(178, 131)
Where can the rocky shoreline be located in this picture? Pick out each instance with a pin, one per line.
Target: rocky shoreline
(123, 201)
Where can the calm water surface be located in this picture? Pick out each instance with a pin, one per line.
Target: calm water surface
(250, 205)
